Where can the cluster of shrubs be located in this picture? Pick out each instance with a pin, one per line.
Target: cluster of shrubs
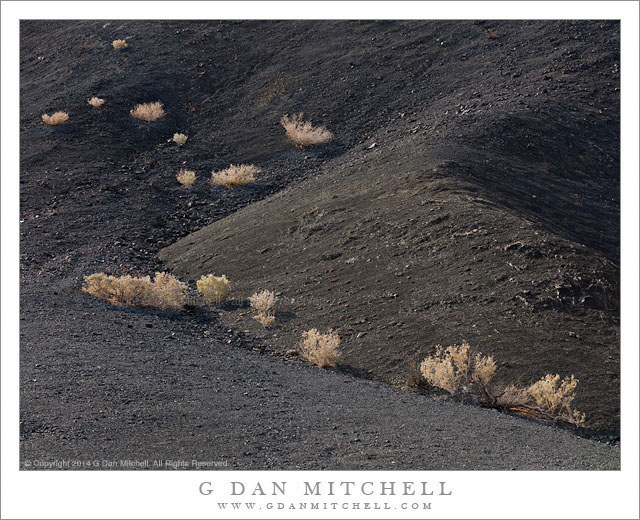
(302, 133)
(463, 373)
(455, 369)
(166, 292)
(232, 177)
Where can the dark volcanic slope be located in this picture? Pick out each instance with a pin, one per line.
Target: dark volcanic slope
(398, 257)
(481, 115)
(479, 225)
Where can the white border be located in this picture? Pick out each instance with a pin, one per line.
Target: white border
(174, 494)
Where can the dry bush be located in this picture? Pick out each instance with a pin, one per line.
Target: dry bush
(168, 292)
(555, 397)
(319, 349)
(263, 302)
(455, 369)
(165, 292)
(119, 290)
(303, 133)
(96, 102)
(213, 288)
(483, 369)
(235, 176)
(148, 112)
(180, 139)
(56, 118)
(119, 44)
(186, 177)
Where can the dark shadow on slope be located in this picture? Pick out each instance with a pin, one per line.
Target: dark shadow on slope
(555, 169)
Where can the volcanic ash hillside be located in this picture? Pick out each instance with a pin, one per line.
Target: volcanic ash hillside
(398, 255)
(486, 212)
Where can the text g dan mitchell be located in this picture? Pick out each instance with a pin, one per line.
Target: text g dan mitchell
(329, 488)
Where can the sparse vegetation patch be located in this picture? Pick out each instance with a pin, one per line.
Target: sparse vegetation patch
(180, 139)
(455, 369)
(463, 373)
(148, 112)
(303, 133)
(319, 349)
(235, 176)
(96, 102)
(266, 320)
(165, 292)
(119, 44)
(186, 177)
(554, 397)
(263, 302)
(213, 289)
(56, 118)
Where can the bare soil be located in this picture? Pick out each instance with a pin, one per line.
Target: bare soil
(488, 210)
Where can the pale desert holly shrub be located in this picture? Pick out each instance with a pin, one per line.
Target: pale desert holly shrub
(303, 133)
(319, 349)
(56, 118)
(168, 292)
(263, 302)
(96, 102)
(555, 397)
(213, 288)
(186, 177)
(165, 292)
(119, 290)
(119, 44)
(148, 112)
(235, 176)
(456, 369)
(180, 139)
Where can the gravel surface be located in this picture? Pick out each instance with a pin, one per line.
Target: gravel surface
(145, 385)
